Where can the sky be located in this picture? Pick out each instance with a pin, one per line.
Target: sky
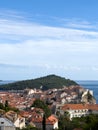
(43, 37)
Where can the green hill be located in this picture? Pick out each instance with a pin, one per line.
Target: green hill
(48, 82)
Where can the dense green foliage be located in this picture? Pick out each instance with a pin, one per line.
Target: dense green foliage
(51, 81)
(5, 107)
(40, 104)
(89, 122)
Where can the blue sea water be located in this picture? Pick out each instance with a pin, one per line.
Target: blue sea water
(90, 84)
(6, 81)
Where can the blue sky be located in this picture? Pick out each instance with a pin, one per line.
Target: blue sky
(41, 37)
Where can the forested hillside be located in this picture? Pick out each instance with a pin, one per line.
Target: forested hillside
(47, 82)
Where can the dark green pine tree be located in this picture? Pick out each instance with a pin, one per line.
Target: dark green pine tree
(6, 104)
(44, 122)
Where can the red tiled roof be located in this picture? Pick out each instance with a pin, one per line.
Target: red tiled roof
(80, 106)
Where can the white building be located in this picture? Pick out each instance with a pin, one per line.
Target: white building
(29, 91)
(6, 124)
(18, 121)
(77, 110)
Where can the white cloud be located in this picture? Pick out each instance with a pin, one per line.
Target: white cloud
(95, 68)
(25, 43)
(80, 24)
(20, 29)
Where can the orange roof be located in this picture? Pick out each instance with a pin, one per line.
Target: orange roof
(93, 106)
(80, 106)
(25, 114)
(50, 120)
(74, 106)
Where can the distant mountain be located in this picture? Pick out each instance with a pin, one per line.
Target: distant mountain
(47, 82)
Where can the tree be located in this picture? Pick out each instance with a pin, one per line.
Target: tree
(1, 106)
(40, 104)
(67, 115)
(64, 123)
(44, 122)
(6, 105)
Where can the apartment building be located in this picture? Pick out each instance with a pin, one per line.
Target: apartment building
(77, 110)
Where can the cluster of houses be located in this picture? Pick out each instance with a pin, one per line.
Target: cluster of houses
(68, 101)
(11, 120)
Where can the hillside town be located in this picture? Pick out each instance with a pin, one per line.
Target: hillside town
(74, 100)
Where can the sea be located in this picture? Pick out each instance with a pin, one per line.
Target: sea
(6, 81)
(88, 84)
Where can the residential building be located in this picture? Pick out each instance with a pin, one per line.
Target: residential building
(6, 124)
(77, 110)
(51, 122)
(18, 121)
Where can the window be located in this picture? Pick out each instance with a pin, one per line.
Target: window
(2, 122)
